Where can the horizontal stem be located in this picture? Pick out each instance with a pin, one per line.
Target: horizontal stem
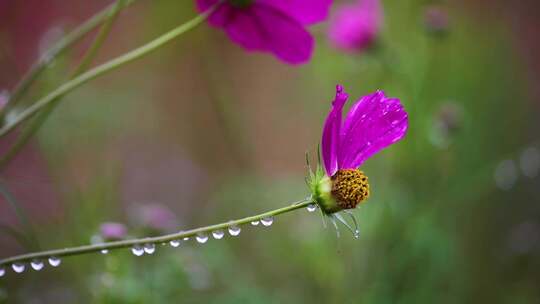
(104, 68)
(149, 240)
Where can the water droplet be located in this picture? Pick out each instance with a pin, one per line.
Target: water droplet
(218, 234)
(186, 238)
(201, 238)
(175, 243)
(255, 223)
(234, 230)
(137, 250)
(149, 248)
(2, 271)
(54, 261)
(104, 251)
(311, 207)
(37, 265)
(357, 233)
(18, 267)
(267, 221)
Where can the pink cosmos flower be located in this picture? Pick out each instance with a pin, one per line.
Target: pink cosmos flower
(354, 27)
(373, 123)
(274, 26)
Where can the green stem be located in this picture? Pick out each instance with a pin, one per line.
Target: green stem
(42, 116)
(100, 38)
(150, 240)
(45, 60)
(104, 68)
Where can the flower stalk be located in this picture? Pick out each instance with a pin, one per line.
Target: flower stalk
(59, 48)
(70, 251)
(42, 116)
(105, 68)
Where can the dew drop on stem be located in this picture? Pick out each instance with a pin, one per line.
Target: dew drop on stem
(37, 265)
(201, 238)
(218, 234)
(137, 250)
(234, 230)
(175, 243)
(54, 261)
(18, 267)
(267, 221)
(149, 248)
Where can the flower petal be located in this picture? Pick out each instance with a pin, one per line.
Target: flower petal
(244, 29)
(331, 133)
(262, 27)
(372, 124)
(285, 37)
(304, 11)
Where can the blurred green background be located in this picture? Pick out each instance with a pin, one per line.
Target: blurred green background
(204, 132)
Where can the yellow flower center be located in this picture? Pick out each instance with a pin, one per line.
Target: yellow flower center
(349, 188)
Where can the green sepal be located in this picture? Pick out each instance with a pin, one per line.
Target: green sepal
(320, 186)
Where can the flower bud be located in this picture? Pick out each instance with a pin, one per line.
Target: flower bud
(113, 231)
(436, 20)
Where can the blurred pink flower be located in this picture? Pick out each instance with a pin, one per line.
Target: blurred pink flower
(436, 19)
(156, 218)
(113, 231)
(275, 26)
(355, 26)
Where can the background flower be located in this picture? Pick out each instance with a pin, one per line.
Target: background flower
(436, 19)
(355, 26)
(112, 231)
(276, 26)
